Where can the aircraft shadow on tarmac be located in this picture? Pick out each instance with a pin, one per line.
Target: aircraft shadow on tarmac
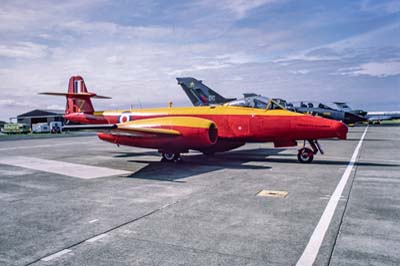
(195, 164)
(135, 154)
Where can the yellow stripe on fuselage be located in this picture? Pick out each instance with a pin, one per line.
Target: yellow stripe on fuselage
(201, 110)
(177, 121)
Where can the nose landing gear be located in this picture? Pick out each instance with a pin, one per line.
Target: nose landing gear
(306, 155)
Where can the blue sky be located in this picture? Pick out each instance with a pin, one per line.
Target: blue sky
(133, 50)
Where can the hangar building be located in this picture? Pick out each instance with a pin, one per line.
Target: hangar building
(41, 116)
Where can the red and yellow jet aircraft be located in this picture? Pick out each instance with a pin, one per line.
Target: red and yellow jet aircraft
(208, 129)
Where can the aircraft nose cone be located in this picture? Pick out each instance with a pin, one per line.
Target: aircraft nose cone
(340, 129)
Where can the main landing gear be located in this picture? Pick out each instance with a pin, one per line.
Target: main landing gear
(171, 157)
(306, 155)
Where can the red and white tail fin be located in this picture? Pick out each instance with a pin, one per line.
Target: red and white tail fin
(78, 97)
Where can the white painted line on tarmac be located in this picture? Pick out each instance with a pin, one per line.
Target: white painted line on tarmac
(62, 168)
(41, 146)
(56, 255)
(93, 221)
(311, 251)
(93, 239)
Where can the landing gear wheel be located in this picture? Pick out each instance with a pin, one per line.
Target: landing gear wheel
(171, 157)
(305, 155)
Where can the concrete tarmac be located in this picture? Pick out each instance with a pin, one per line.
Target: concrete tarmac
(135, 210)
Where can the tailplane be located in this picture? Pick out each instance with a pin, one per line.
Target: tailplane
(199, 94)
(78, 97)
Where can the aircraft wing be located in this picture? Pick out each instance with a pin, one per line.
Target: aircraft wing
(379, 117)
(192, 129)
(123, 129)
(137, 131)
(385, 115)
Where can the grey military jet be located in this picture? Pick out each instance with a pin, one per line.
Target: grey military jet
(201, 95)
(371, 117)
(324, 110)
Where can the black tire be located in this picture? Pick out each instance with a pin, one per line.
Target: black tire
(170, 157)
(305, 155)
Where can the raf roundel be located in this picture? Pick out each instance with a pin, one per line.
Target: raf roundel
(124, 118)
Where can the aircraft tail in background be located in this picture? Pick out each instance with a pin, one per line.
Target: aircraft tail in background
(78, 97)
(343, 106)
(199, 94)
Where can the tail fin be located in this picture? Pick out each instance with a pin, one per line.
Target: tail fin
(199, 94)
(76, 102)
(78, 97)
(342, 106)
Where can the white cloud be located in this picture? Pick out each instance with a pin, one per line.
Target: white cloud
(24, 50)
(55, 107)
(361, 46)
(382, 36)
(215, 62)
(22, 16)
(375, 69)
(300, 71)
(388, 7)
(238, 8)
(241, 7)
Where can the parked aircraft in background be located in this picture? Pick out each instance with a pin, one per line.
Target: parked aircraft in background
(199, 93)
(208, 129)
(372, 117)
(342, 106)
(377, 117)
(324, 110)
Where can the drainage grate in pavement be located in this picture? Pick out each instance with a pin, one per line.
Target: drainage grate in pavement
(272, 193)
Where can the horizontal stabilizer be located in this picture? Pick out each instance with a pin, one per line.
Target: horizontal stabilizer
(89, 127)
(77, 95)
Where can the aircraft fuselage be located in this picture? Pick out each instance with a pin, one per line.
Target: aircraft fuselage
(233, 123)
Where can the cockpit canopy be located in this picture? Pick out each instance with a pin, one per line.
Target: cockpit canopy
(306, 104)
(252, 100)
